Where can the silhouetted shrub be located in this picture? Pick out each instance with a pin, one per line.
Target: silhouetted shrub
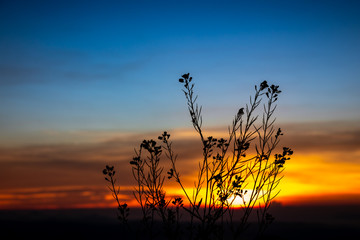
(226, 172)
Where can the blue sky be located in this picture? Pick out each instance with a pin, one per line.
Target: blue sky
(89, 65)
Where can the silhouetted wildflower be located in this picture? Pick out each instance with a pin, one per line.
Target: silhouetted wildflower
(223, 174)
(263, 85)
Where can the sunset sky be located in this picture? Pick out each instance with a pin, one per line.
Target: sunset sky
(82, 83)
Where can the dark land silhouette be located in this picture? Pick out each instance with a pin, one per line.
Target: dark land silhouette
(291, 222)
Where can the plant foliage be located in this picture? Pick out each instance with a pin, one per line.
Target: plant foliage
(241, 167)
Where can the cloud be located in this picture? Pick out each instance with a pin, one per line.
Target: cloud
(58, 197)
(318, 147)
(13, 75)
(340, 144)
(25, 66)
(336, 137)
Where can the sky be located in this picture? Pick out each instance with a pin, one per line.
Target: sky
(82, 83)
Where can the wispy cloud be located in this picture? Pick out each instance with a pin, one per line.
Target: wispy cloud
(334, 136)
(20, 66)
(58, 197)
(319, 148)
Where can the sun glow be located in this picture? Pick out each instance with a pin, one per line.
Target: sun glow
(239, 202)
(234, 201)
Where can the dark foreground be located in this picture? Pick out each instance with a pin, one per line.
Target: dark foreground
(318, 222)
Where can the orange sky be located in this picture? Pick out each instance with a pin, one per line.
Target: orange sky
(324, 169)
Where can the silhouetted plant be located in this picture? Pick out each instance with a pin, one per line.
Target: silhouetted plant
(123, 210)
(225, 173)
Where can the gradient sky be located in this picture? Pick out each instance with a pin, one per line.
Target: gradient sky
(81, 82)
